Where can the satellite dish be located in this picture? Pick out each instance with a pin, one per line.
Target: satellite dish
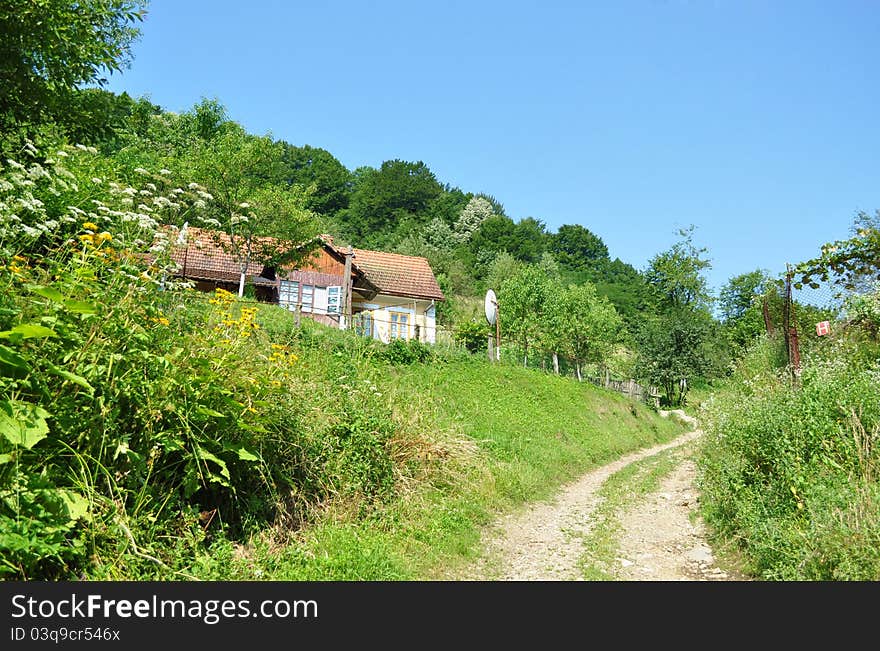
(491, 306)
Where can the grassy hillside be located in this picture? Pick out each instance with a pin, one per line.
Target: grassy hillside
(471, 440)
(149, 431)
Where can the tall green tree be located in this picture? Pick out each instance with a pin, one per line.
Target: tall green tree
(740, 292)
(672, 344)
(333, 182)
(239, 171)
(579, 324)
(50, 49)
(521, 304)
(577, 248)
(393, 199)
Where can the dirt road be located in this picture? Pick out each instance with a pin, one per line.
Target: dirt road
(660, 539)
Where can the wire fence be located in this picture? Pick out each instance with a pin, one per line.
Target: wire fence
(549, 361)
(806, 316)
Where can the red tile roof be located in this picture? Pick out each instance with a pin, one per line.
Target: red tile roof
(392, 273)
(399, 275)
(206, 257)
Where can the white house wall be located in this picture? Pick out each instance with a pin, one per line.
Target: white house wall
(419, 313)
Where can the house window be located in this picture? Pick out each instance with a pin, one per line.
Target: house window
(399, 325)
(288, 294)
(364, 324)
(308, 292)
(334, 299)
(319, 301)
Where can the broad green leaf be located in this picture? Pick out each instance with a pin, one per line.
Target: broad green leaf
(9, 358)
(245, 455)
(5, 458)
(80, 307)
(223, 469)
(77, 506)
(28, 331)
(207, 411)
(73, 377)
(51, 294)
(22, 423)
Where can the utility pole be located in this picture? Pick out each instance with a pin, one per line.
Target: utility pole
(497, 332)
(345, 317)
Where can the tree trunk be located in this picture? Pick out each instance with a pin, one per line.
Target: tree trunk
(241, 285)
(578, 368)
(556, 363)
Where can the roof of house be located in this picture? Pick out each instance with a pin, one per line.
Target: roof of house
(206, 257)
(399, 275)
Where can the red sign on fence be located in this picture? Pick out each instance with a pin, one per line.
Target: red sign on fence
(823, 328)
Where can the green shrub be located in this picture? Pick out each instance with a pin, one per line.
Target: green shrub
(789, 468)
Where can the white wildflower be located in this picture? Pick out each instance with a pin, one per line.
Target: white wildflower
(62, 153)
(140, 170)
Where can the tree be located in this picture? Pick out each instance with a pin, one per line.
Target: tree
(740, 293)
(676, 275)
(49, 49)
(234, 167)
(333, 182)
(521, 301)
(671, 351)
(580, 324)
(575, 247)
(672, 344)
(391, 199)
(502, 268)
(852, 264)
(524, 240)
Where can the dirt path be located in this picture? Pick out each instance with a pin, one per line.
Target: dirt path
(659, 541)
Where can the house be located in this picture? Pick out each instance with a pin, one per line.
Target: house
(393, 296)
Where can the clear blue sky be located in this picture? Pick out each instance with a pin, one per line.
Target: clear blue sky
(755, 121)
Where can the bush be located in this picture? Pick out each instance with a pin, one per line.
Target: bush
(135, 411)
(407, 352)
(789, 468)
(473, 335)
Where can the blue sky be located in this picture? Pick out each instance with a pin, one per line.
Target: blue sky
(754, 121)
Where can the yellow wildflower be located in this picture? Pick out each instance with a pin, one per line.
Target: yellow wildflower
(90, 226)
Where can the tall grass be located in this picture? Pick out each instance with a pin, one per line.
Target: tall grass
(789, 468)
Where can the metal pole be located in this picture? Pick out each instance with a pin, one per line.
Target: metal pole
(497, 332)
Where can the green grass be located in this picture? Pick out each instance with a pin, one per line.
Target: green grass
(491, 438)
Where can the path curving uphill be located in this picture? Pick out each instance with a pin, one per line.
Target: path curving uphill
(659, 541)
